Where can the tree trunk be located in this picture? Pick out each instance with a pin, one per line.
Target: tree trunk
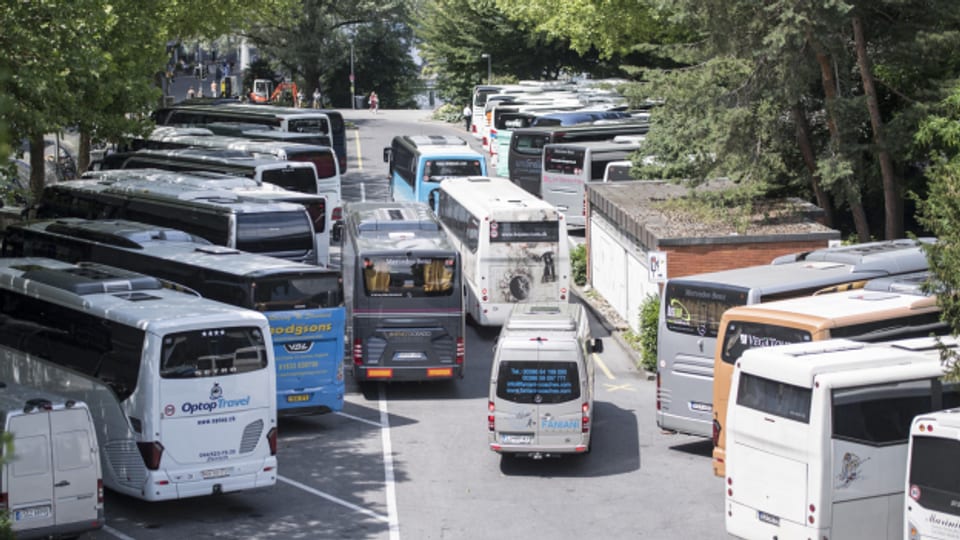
(83, 152)
(850, 193)
(893, 206)
(810, 160)
(38, 168)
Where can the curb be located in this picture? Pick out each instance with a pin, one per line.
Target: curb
(616, 332)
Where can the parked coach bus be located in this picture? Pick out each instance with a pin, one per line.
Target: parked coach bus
(181, 387)
(223, 217)
(403, 288)
(818, 432)
(933, 476)
(303, 303)
(691, 308)
(526, 146)
(513, 245)
(323, 121)
(883, 310)
(567, 167)
(418, 163)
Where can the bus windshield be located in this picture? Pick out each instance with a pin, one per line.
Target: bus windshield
(530, 143)
(538, 382)
(306, 292)
(559, 159)
(212, 353)
(299, 179)
(408, 276)
(935, 469)
(438, 169)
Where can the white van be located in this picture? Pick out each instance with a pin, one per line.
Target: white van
(541, 382)
(51, 484)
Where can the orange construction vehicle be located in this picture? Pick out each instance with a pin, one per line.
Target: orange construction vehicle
(285, 92)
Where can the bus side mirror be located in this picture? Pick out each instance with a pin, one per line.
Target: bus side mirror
(597, 345)
(432, 200)
(386, 154)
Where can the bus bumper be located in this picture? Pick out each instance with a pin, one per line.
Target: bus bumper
(402, 373)
(190, 482)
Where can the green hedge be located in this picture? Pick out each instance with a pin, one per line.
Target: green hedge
(649, 313)
(578, 264)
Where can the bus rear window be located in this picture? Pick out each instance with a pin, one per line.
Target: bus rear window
(303, 292)
(538, 382)
(436, 170)
(525, 231)
(300, 179)
(308, 125)
(273, 232)
(774, 397)
(325, 162)
(696, 309)
(558, 159)
(935, 469)
(212, 352)
(414, 277)
(529, 144)
(742, 335)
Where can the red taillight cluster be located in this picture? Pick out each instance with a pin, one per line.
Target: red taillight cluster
(337, 214)
(813, 510)
(483, 295)
(716, 432)
(99, 491)
(585, 418)
(272, 441)
(461, 351)
(151, 452)
(563, 293)
(357, 352)
(729, 486)
(658, 390)
(491, 419)
(926, 428)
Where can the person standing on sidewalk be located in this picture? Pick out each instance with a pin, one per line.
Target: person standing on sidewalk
(374, 102)
(467, 115)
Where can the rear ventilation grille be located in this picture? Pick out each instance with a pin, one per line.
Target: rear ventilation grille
(251, 436)
(88, 278)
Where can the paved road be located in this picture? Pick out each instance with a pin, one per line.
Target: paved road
(410, 461)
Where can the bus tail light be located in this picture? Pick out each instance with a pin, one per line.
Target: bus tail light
(716, 432)
(729, 486)
(151, 452)
(491, 419)
(585, 418)
(99, 490)
(357, 352)
(3, 501)
(461, 351)
(813, 510)
(337, 213)
(563, 293)
(272, 441)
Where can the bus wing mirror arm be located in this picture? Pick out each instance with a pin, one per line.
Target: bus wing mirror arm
(432, 201)
(597, 345)
(386, 154)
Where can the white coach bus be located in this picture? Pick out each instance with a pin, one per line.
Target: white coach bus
(817, 436)
(182, 389)
(513, 245)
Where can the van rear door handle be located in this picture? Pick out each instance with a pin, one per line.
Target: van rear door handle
(62, 483)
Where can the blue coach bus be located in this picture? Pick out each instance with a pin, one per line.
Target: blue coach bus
(418, 163)
(303, 303)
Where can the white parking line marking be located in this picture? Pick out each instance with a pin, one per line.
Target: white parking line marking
(333, 499)
(603, 367)
(116, 533)
(356, 136)
(394, 520)
(358, 419)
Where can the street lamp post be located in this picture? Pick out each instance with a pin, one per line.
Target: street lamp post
(353, 100)
(487, 56)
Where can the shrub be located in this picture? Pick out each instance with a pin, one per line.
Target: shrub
(649, 313)
(448, 112)
(578, 264)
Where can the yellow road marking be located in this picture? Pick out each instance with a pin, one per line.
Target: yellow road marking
(603, 367)
(615, 387)
(356, 137)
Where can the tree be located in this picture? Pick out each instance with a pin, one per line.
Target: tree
(453, 34)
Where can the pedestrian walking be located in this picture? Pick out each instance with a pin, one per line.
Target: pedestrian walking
(191, 93)
(374, 102)
(317, 98)
(467, 115)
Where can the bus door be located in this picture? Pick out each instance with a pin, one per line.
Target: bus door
(212, 382)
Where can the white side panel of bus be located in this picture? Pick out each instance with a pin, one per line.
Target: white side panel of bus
(867, 480)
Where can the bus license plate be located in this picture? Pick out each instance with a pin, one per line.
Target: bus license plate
(298, 398)
(768, 518)
(216, 473)
(409, 356)
(33, 512)
(516, 439)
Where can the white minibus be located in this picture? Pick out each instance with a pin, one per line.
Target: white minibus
(932, 505)
(817, 436)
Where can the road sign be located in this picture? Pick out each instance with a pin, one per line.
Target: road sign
(351, 77)
(657, 266)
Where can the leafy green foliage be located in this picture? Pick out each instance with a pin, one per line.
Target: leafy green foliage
(649, 313)
(578, 264)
